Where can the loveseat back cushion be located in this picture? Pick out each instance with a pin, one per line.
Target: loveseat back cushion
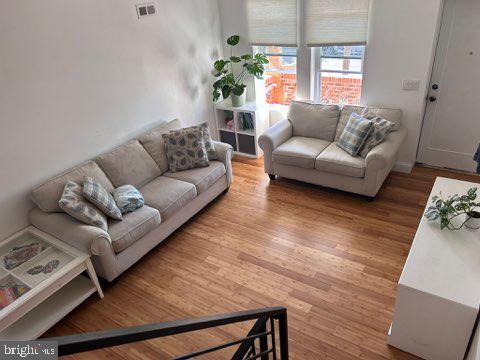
(46, 195)
(314, 120)
(129, 164)
(153, 142)
(133, 227)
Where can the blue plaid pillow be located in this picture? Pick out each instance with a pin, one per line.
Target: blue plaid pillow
(355, 133)
(101, 198)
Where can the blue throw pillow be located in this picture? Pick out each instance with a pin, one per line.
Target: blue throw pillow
(128, 198)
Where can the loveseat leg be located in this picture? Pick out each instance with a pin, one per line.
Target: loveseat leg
(370, 198)
(226, 190)
(272, 177)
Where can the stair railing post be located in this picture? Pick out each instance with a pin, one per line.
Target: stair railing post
(283, 334)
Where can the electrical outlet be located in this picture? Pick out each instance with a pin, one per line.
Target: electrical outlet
(410, 85)
(146, 9)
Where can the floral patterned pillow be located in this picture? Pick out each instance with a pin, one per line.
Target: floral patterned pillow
(185, 150)
(380, 130)
(73, 203)
(211, 152)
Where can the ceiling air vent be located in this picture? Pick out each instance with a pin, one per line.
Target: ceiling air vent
(147, 9)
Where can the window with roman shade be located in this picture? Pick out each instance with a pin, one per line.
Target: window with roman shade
(272, 22)
(335, 22)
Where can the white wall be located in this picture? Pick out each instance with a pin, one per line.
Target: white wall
(80, 77)
(401, 44)
(402, 37)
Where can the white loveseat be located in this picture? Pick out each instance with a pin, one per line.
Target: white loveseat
(304, 147)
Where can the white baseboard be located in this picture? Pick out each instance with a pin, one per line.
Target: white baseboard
(404, 167)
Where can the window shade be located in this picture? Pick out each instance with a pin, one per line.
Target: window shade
(272, 22)
(336, 22)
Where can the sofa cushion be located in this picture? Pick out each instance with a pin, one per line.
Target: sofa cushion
(314, 120)
(134, 226)
(168, 195)
(335, 160)
(299, 151)
(46, 195)
(129, 164)
(202, 178)
(153, 142)
(207, 138)
(345, 113)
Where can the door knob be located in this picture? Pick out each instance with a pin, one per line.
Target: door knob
(432, 98)
(435, 87)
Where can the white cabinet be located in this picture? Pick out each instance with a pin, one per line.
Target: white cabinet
(242, 126)
(438, 293)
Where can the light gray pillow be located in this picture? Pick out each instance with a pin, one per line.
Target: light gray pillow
(185, 150)
(73, 203)
(355, 134)
(380, 130)
(128, 198)
(101, 198)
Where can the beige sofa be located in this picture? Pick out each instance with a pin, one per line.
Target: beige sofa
(303, 147)
(171, 199)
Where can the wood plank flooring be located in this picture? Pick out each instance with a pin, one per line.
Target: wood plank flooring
(332, 258)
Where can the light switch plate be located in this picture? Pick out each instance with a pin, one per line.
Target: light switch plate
(411, 84)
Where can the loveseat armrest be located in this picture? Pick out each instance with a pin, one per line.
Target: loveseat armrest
(86, 238)
(271, 139)
(225, 153)
(385, 154)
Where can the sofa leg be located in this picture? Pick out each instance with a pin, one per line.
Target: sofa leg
(272, 177)
(370, 198)
(226, 190)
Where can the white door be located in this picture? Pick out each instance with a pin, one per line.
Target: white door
(451, 129)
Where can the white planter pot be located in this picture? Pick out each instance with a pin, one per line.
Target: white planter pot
(238, 101)
(472, 222)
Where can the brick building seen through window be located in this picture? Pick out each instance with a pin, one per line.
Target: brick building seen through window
(337, 71)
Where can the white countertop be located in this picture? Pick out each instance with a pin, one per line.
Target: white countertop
(442, 262)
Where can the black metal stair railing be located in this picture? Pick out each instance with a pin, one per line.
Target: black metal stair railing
(271, 324)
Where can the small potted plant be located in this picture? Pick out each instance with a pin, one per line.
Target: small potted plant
(456, 211)
(230, 81)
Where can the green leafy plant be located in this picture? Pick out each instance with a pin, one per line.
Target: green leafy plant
(228, 82)
(453, 207)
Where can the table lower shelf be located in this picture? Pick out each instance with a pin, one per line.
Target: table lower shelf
(48, 313)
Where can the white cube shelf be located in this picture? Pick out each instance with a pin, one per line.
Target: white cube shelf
(244, 140)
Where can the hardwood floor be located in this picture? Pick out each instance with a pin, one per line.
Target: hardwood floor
(332, 258)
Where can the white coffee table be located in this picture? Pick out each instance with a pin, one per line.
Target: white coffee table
(438, 294)
(40, 283)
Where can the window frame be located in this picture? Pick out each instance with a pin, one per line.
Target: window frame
(317, 67)
(256, 49)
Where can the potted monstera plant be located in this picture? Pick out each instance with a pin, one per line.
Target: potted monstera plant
(231, 73)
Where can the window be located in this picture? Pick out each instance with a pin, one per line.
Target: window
(338, 74)
(280, 76)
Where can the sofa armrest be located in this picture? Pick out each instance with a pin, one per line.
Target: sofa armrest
(271, 139)
(225, 154)
(385, 154)
(276, 135)
(86, 238)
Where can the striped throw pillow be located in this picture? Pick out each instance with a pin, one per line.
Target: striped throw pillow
(101, 198)
(355, 134)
